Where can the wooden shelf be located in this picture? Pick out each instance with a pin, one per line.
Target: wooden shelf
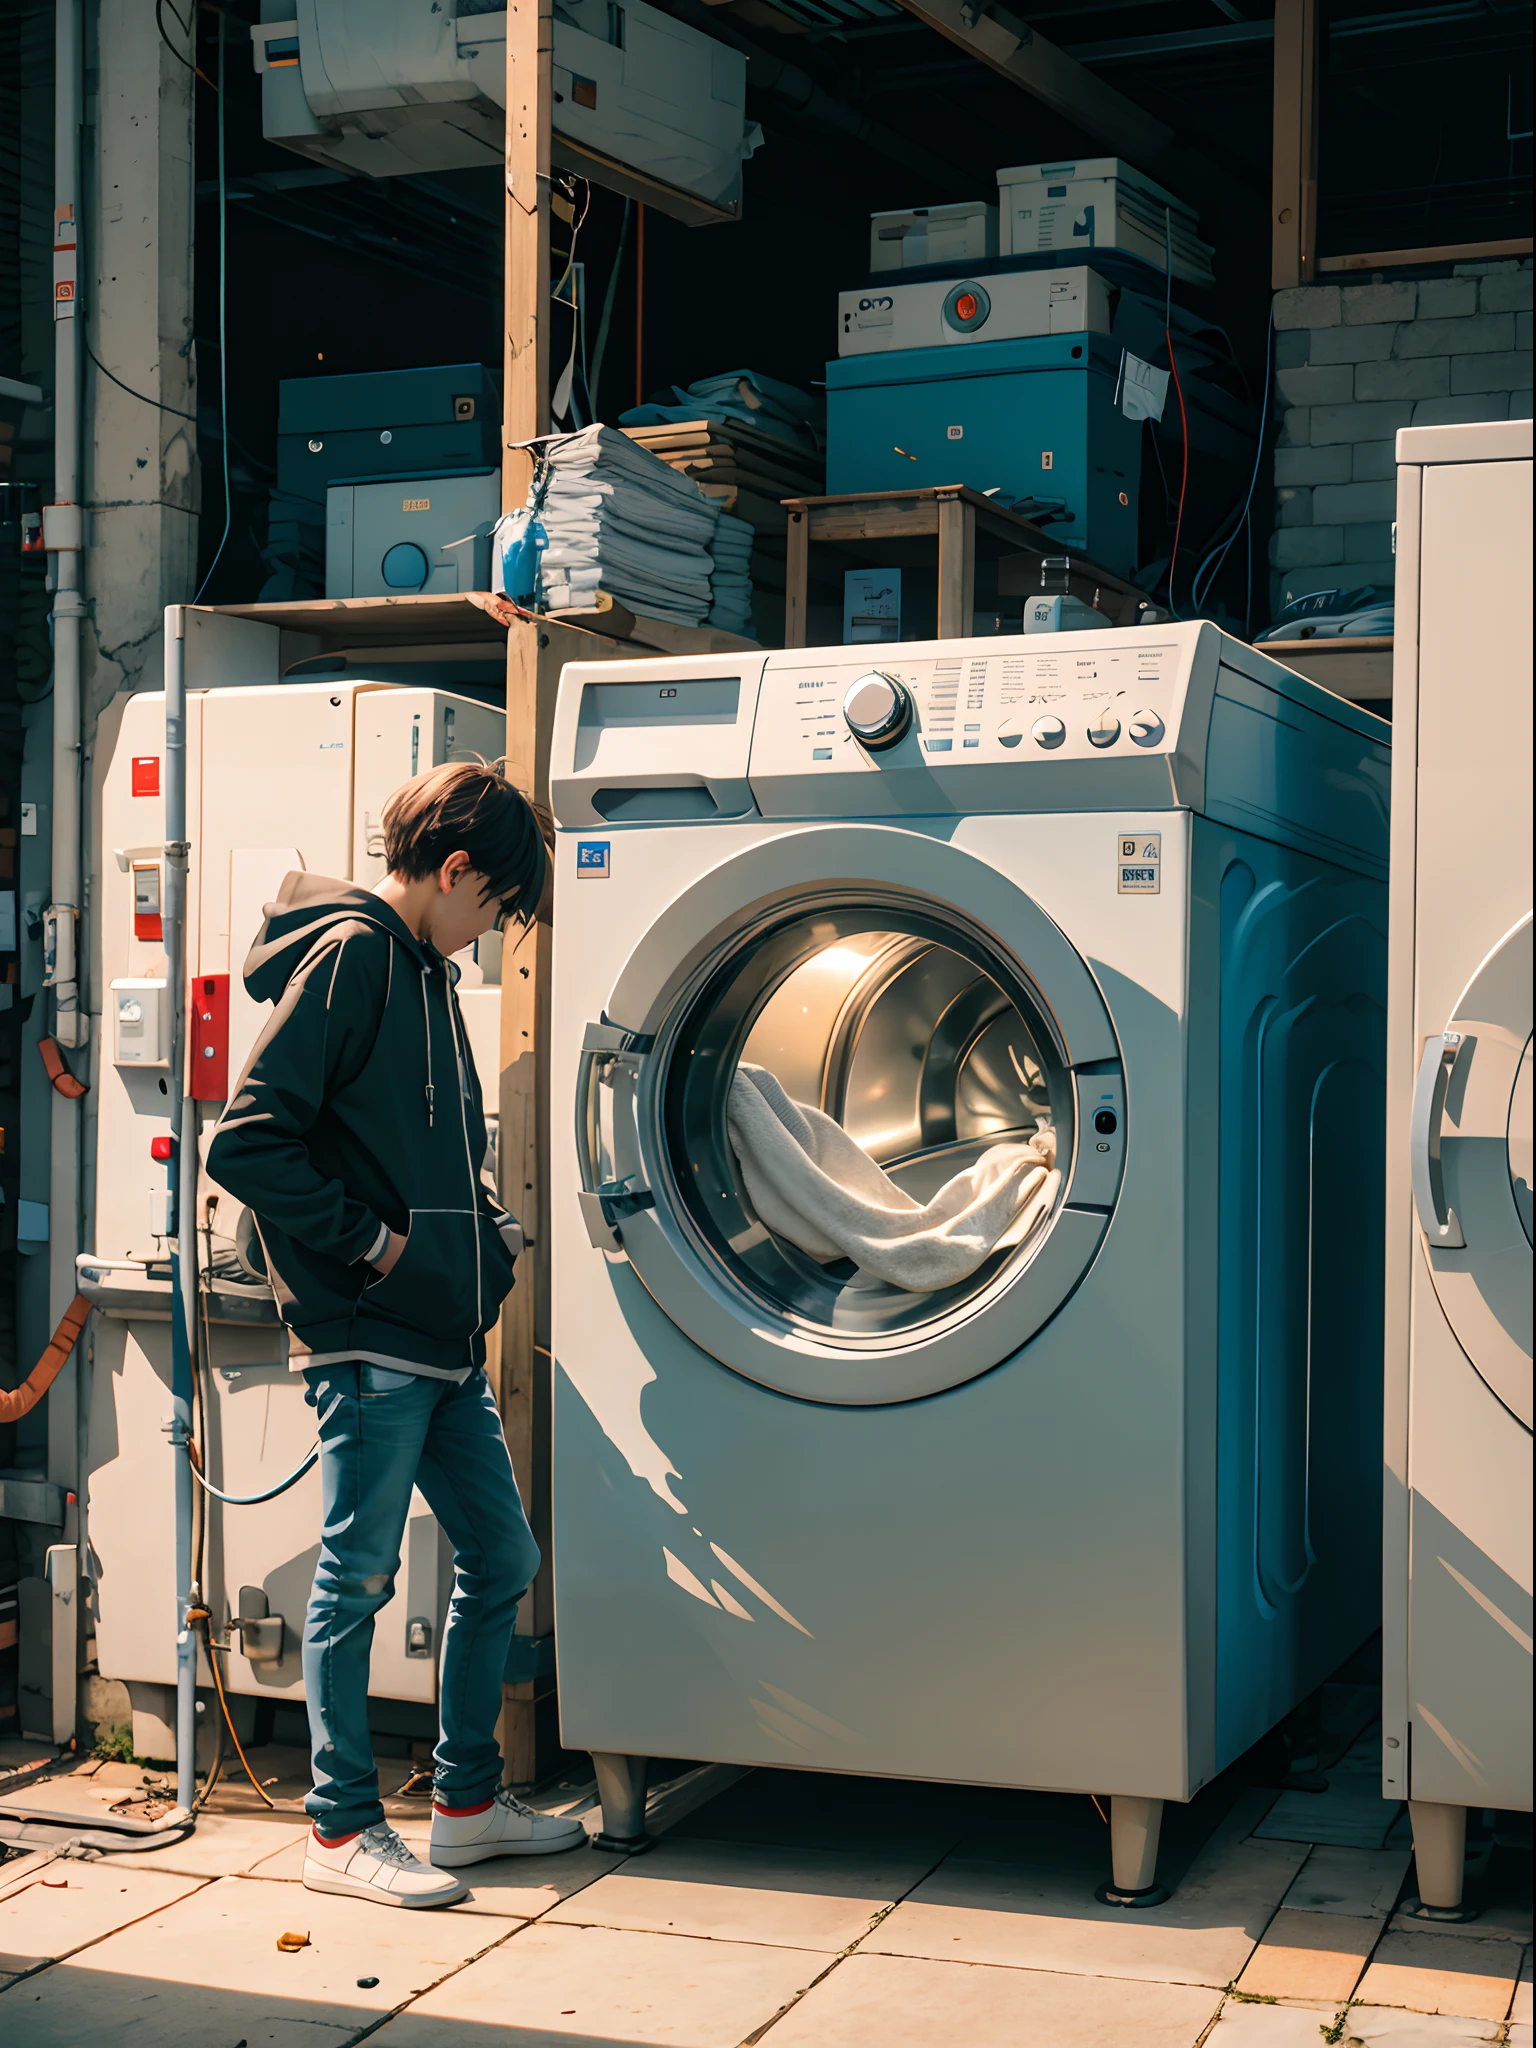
(1359, 668)
(427, 626)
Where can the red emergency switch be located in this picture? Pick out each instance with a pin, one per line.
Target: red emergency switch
(208, 1033)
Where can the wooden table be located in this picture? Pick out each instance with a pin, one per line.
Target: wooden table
(962, 522)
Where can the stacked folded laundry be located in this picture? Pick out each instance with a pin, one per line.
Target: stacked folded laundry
(811, 1183)
(613, 517)
(730, 584)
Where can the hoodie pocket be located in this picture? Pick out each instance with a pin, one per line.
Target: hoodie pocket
(436, 1284)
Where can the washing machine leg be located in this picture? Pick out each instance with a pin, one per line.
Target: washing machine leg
(1439, 1856)
(621, 1791)
(1134, 1825)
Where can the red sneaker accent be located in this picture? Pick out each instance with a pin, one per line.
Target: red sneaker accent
(462, 1812)
(335, 1841)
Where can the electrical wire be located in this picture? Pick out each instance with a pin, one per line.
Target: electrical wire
(223, 328)
(1178, 524)
(601, 347)
(141, 396)
(186, 29)
(1246, 519)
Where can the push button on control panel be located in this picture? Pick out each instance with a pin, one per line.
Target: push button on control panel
(1048, 732)
(1105, 730)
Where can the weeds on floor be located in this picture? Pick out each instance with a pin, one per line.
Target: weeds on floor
(115, 1746)
(1335, 2032)
(1252, 1997)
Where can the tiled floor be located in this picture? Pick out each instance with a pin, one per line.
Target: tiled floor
(781, 1910)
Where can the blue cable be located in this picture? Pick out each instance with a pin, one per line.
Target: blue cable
(1198, 596)
(251, 1500)
(223, 330)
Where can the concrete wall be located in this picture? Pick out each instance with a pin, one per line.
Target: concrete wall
(1355, 362)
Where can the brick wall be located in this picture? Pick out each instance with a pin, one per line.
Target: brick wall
(1355, 362)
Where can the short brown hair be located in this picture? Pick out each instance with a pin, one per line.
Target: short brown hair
(469, 806)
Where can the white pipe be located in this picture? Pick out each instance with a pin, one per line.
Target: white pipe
(183, 1174)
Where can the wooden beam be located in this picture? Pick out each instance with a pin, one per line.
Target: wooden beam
(1446, 252)
(1293, 180)
(957, 568)
(797, 572)
(530, 103)
(1068, 88)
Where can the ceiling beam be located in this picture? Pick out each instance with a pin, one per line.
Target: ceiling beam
(1013, 49)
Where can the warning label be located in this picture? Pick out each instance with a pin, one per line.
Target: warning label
(1139, 863)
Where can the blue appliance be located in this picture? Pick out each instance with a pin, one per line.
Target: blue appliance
(376, 426)
(1031, 420)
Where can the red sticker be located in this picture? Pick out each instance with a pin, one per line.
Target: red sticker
(146, 774)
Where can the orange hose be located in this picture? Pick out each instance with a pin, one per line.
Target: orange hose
(23, 1399)
(58, 1073)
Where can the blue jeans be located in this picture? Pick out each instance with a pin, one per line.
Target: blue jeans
(381, 1433)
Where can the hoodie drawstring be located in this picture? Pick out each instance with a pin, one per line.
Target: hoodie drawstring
(426, 1018)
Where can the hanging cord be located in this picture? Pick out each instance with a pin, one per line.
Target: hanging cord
(223, 329)
(601, 347)
(254, 1500)
(201, 1619)
(1196, 592)
(1178, 524)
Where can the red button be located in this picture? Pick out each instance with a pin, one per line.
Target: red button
(965, 306)
(161, 1149)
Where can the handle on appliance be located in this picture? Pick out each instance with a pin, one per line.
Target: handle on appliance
(602, 1201)
(1436, 1218)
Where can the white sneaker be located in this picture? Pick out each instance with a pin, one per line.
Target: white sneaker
(506, 1827)
(377, 1865)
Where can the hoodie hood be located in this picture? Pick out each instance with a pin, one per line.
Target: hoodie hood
(307, 906)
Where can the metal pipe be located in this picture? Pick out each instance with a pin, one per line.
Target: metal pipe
(182, 1172)
(64, 538)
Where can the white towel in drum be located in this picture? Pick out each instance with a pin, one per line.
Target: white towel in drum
(811, 1183)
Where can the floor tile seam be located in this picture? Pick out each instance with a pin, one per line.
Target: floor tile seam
(425, 1990)
(759, 2033)
(68, 1955)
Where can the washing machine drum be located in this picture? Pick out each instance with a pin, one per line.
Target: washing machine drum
(931, 1023)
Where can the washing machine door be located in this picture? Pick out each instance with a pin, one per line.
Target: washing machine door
(925, 1003)
(1471, 1151)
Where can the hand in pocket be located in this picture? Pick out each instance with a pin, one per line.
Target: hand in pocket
(391, 1255)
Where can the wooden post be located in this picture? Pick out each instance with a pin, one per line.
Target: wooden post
(520, 1356)
(957, 568)
(1293, 204)
(525, 284)
(797, 571)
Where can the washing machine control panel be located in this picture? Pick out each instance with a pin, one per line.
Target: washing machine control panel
(1037, 698)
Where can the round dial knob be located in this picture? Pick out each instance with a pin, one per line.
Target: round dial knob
(1010, 733)
(1146, 728)
(1048, 732)
(877, 710)
(1105, 730)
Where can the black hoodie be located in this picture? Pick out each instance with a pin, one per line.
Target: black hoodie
(360, 1106)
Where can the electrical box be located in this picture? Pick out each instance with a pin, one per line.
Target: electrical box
(643, 103)
(939, 312)
(963, 233)
(440, 420)
(427, 534)
(280, 777)
(1099, 203)
(141, 1022)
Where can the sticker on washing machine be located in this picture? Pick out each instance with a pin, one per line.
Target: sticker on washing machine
(592, 860)
(1139, 862)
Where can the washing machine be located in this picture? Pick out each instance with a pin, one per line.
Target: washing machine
(1457, 1622)
(1095, 1516)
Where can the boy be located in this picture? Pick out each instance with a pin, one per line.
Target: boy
(356, 1138)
